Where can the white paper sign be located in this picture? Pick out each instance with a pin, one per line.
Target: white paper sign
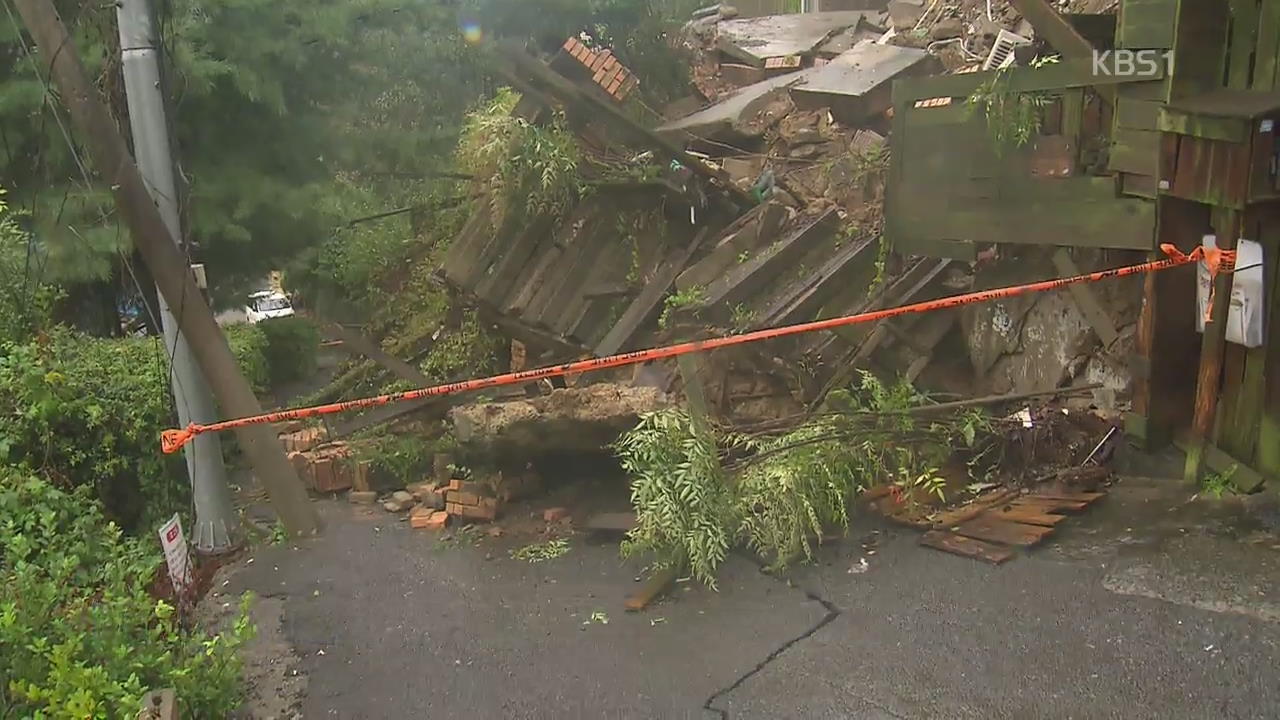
(1245, 320)
(175, 553)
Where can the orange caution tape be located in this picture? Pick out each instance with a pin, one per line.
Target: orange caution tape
(173, 440)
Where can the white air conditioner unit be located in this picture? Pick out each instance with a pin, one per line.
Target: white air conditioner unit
(1002, 51)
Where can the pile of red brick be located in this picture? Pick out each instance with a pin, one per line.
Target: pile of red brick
(431, 503)
(606, 71)
(325, 467)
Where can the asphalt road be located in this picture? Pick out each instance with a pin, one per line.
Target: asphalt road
(1146, 607)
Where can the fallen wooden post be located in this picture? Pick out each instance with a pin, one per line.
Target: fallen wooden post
(651, 589)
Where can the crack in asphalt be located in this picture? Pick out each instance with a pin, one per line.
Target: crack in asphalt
(832, 613)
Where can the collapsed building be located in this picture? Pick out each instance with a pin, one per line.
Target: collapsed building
(836, 162)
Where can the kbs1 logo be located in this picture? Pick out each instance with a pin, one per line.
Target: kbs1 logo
(1131, 63)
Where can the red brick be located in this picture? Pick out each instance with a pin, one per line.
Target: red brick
(480, 512)
(420, 517)
(571, 44)
(360, 481)
(463, 498)
(453, 508)
(438, 520)
(300, 463)
(455, 484)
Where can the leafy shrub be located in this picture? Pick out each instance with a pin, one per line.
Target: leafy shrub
(686, 515)
(88, 412)
(781, 490)
(79, 635)
(290, 346)
(527, 166)
(249, 345)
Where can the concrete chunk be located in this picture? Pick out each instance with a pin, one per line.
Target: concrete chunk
(754, 40)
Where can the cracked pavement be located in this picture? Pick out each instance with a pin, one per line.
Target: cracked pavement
(1146, 606)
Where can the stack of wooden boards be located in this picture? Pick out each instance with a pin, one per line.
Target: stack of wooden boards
(989, 529)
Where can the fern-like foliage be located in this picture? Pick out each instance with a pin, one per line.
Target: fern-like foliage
(685, 512)
(530, 168)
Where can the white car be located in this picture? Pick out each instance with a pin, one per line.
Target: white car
(266, 305)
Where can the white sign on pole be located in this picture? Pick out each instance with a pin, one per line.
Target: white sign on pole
(175, 554)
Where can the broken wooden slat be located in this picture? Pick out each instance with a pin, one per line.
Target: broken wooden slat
(358, 343)
(804, 299)
(1084, 497)
(966, 547)
(1026, 514)
(651, 589)
(985, 527)
(498, 283)
(1044, 504)
(754, 228)
(646, 303)
(955, 517)
(741, 282)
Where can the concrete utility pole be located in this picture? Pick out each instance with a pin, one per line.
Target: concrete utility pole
(173, 277)
(216, 526)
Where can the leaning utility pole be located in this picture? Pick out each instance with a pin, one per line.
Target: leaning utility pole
(169, 267)
(216, 526)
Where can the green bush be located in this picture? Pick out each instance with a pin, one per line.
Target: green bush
(86, 411)
(79, 635)
(249, 345)
(290, 348)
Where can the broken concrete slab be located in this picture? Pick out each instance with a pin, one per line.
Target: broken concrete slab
(904, 15)
(754, 40)
(569, 420)
(740, 114)
(857, 84)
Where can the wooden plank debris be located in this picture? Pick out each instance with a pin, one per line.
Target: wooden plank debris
(992, 529)
(1026, 514)
(743, 281)
(1044, 504)
(960, 515)
(646, 303)
(966, 547)
(650, 590)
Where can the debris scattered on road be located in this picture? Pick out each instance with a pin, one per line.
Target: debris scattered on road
(540, 552)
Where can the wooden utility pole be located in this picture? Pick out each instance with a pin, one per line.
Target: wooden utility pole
(172, 275)
(1229, 225)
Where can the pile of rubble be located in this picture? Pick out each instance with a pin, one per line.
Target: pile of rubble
(433, 503)
(325, 466)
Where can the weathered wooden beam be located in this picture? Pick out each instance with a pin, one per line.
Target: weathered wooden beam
(1086, 300)
(805, 298)
(356, 342)
(1208, 382)
(741, 282)
(647, 302)
(1243, 477)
